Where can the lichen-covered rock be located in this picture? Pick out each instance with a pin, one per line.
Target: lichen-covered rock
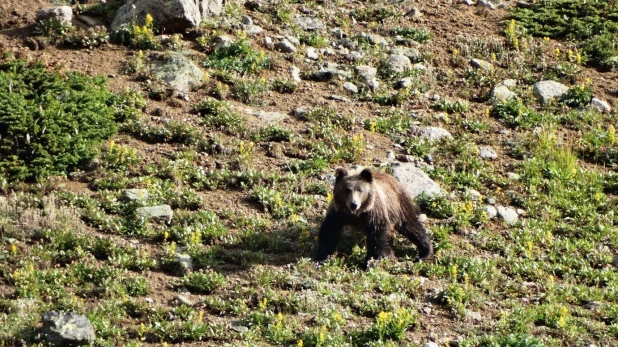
(549, 90)
(415, 180)
(177, 70)
(67, 329)
(62, 14)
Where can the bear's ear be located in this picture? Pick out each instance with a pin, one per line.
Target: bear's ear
(340, 173)
(366, 175)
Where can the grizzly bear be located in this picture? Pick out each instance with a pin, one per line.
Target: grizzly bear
(376, 203)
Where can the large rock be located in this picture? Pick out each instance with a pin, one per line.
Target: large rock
(162, 212)
(62, 14)
(170, 15)
(177, 70)
(398, 63)
(67, 329)
(415, 180)
(549, 90)
(508, 214)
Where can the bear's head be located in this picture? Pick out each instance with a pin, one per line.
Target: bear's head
(354, 193)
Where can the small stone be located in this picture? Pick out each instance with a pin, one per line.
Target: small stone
(246, 20)
(398, 63)
(491, 211)
(309, 23)
(521, 212)
(487, 153)
(377, 40)
(549, 90)
(490, 200)
(473, 194)
(239, 329)
(222, 41)
(182, 264)
(271, 118)
(339, 98)
(415, 14)
(312, 53)
(475, 316)
(183, 300)
(252, 30)
(428, 158)
(365, 71)
(62, 14)
(600, 105)
(508, 214)
(469, 2)
(295, 73)
(350, 87)
(524, 4)
(268, 42)
(403, 83)
(354, 56)
(373, 84)
(593, 305)
(431, 133)
(148, 300)
(430, 344)
(285, 46)
(513, 176)
(67, 329)
(509, 83)
(155, 212)
(486, 4)
(136, 195)
(422, 218)
(299, 112)
(390, 155)
(338, 33)
(481, 64)
(502, 93)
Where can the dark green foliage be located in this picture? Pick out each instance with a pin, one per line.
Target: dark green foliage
(594, 24)
(239, 57)
(50, 122)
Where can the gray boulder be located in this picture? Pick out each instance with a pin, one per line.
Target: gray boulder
(177, 70)
(163, 212)
(309, 23)
(171, 15)
(431, 133)
(549, 90)
(67, 329)
(414, 179)
(398, 63)
(508, 214)
(62, 14)
(135, 195)
(182, 264)
(502, 93)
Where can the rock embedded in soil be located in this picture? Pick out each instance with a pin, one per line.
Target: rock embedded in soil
(415, 180)
(350, 87)
(508, 214)
(412, 53)
(487, 153)
(182, 264)
(481, 64)
(178, 71)
(600, 105)
(162, 212)
(502, 93)
(491, 211)
(398, 63)
(295, 73)
(66, 329)
(313, 53)
(309, 23)
(430, 344)
(431, 133)
(252, 30)
(62, 14)
(173, 15)
(135, 195)
(270, 118)
(285, 46)
(549, 90)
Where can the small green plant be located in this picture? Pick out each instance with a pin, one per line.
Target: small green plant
(251, 92)
(53, 29)
(314, 40)
(284, 86)
(578, 96)
(392, 325)
(239, 57)
(600, 145)
(418, 35)
(450, 107)
(203, 282)
(516, 114)
(136, 36)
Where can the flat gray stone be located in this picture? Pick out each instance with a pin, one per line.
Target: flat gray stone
(365, 71)
(502, 93)
(412, 53)
(252, 29)
(179, 72)
(600, 105)
(431, 133)
(271, 118)
(313, 53)
(487, 153)
(295, 73)
(481, 64)
(135, 195)
(398, 63)
(350, 87)
(285, 46)
(508, 214)
(415, 180)
(67, 329)
(491, 211)
(62, 14)
(549, 90)
(309, 23)
(164, 212)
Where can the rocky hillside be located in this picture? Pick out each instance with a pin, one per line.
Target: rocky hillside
(165, 166)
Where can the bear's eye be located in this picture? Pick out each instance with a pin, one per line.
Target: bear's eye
(348, 190)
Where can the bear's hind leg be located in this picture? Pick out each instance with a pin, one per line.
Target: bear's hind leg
(412, 229)
(379, 242)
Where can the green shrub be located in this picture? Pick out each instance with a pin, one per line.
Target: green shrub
(50, 122)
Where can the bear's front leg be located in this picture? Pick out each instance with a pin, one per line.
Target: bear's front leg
(330, 232)
(379, 242)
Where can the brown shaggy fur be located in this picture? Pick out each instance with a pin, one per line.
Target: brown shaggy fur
(375, 203)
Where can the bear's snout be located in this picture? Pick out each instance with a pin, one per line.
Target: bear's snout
(353, 206)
